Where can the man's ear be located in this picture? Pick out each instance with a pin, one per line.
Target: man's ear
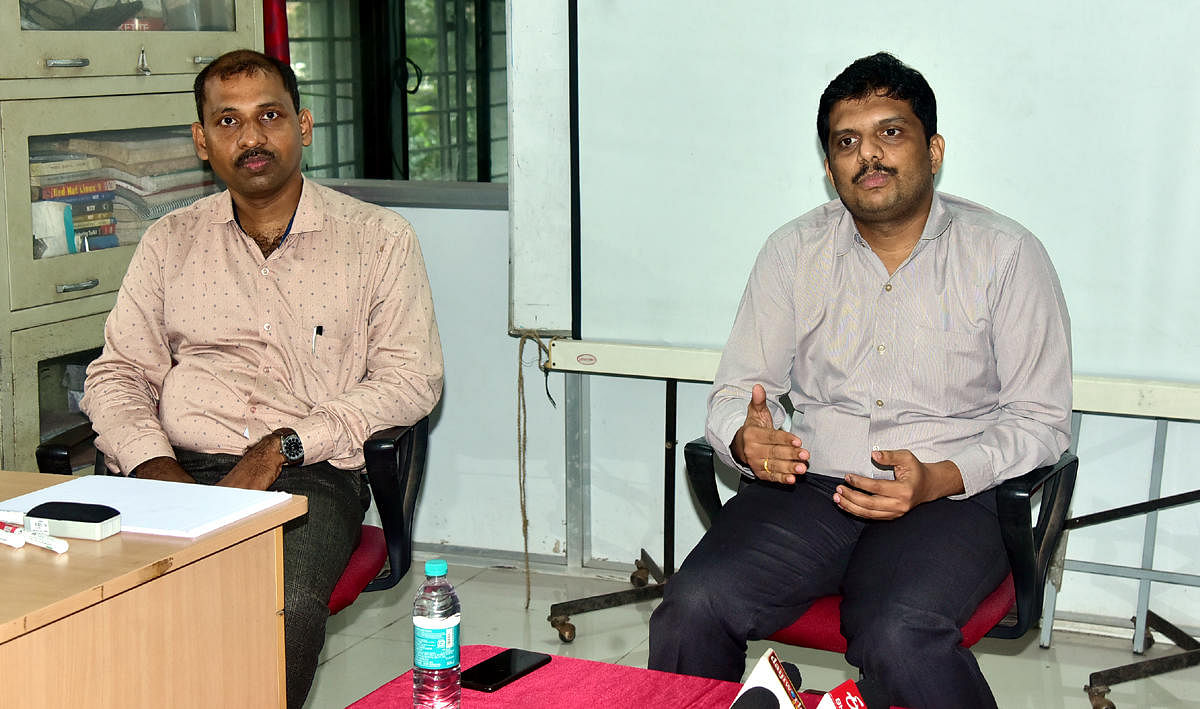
(937, 151)
(306, 127)
(198, 140)
(829, 174)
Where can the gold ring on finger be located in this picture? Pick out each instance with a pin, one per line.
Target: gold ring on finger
(766, 467)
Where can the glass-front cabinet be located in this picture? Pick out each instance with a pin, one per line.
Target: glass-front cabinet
(95, 145)
(73, 38)
(85, 177)
(48, 367)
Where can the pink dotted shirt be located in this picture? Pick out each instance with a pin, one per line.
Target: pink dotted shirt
(210, 346)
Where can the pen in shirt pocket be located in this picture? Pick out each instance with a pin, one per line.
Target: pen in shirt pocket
(317, 332)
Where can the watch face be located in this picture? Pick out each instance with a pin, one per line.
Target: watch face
(292, 448)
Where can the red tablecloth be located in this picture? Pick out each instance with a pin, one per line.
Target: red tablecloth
(568, 682)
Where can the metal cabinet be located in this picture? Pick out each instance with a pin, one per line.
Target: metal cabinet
(105, 112)
(81, 38)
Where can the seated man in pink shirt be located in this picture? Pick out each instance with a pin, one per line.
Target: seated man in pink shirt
(263, 333)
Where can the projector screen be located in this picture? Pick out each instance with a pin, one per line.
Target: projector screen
(696, 139)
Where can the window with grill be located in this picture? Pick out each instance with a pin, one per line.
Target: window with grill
(403, 89)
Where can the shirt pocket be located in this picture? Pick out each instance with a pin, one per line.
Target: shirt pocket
(953, 372)
(323, 366)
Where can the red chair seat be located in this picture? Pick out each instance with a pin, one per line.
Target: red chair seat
(821, 625)
(366, 561)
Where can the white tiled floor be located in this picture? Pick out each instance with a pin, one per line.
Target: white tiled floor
(370, 643)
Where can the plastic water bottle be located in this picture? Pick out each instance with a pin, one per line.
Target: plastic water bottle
(436, 614)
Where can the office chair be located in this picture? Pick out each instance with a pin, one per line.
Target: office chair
(395, 468)
(1010, 610)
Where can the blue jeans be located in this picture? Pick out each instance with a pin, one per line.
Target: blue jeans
(908, 584)
(316, 549)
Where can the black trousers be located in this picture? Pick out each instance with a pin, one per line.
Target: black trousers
(316, 548)
(908, 584)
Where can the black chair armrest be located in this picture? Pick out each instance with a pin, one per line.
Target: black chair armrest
(698, 459)
(54, 454)
(395, 468)
(1030, 547)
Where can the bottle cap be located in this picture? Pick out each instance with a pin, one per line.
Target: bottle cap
(435, 567)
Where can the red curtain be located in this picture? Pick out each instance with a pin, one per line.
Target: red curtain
(275, 30)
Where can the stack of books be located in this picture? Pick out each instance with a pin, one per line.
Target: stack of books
(113, 184)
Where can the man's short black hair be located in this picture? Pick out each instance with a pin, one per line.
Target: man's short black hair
(248, 62)
(884, 75)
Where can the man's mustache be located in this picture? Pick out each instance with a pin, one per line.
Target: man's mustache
(876, 167)
(253, 153)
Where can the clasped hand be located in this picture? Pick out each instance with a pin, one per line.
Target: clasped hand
(915, 483)
(259, 467)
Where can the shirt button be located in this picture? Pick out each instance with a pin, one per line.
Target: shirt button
(267, 327)
(266, 271)
(881, 348)
(874, 448)
(879, 402)
(253, 409)
(887, 287)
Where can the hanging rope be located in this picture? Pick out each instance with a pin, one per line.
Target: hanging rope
(543, 362)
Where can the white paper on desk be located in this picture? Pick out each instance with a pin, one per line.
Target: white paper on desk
(155, 506)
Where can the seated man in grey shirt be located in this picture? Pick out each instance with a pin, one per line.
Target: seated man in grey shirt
(924, 343)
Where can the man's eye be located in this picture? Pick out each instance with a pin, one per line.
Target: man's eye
(891, 132)
(846, 142)
(271, 115)
(225, 121)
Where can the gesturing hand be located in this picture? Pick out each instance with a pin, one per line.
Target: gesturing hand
(772, 454)
(915, 482)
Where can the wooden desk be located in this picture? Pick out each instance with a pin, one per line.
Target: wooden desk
(139, 620)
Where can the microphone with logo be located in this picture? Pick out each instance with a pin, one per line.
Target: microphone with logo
(771, 685)
(867, 694)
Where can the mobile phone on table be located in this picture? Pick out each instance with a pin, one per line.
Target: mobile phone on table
(498, 670)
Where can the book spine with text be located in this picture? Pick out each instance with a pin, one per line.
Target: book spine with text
(68, 189)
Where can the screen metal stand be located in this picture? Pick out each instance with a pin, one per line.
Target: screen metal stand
(645, 567)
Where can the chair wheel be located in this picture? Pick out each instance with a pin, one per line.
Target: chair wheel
(1098, 697)
(566, 629)
(641, 577)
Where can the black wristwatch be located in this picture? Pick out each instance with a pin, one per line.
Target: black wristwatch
(290, 446)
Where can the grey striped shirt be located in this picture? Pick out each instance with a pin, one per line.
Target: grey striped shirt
(962, 354)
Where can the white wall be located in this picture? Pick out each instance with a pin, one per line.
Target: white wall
(470, 496)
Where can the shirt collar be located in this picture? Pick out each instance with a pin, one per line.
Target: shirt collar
(939, 218)
(846, 233)
(308, 210)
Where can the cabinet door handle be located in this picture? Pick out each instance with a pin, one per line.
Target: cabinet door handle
(73, 287)
(76, 62)
(203, 60)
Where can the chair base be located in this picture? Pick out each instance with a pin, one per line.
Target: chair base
(1099, 682)
(646, 568)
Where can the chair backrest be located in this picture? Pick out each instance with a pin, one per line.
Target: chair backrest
(395, 470)
(1030, 545)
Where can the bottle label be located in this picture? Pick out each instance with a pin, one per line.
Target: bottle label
(435, 642)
